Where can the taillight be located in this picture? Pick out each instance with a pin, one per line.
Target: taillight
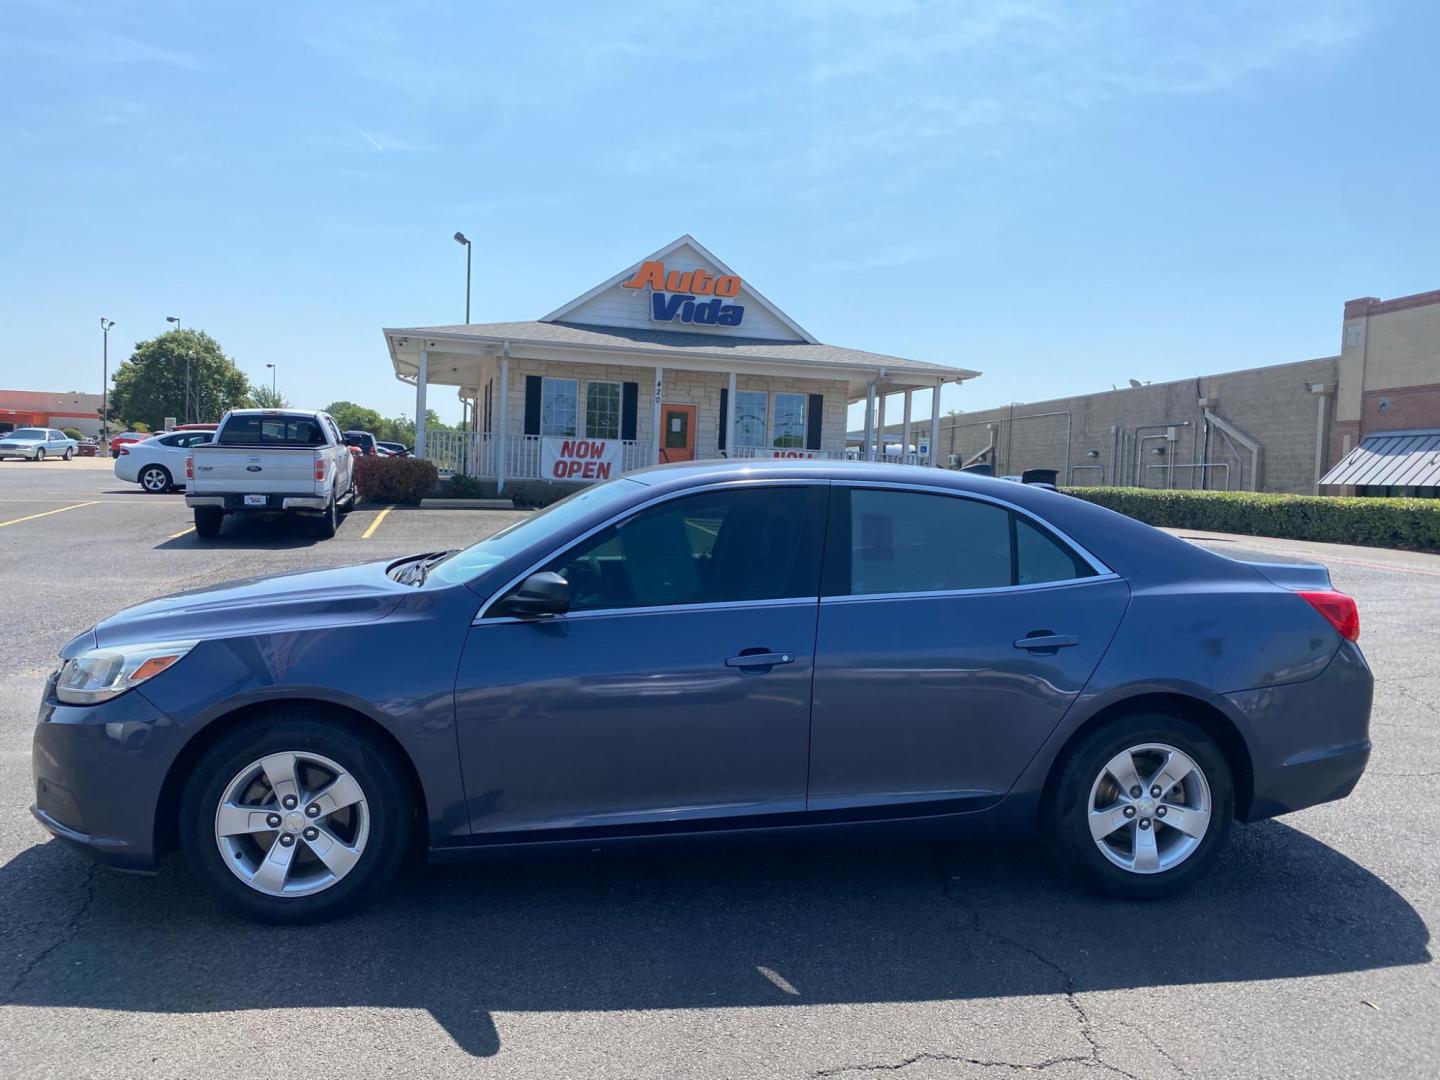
(320, 469)
(123, 452)
(189, 468)
(1339, 611)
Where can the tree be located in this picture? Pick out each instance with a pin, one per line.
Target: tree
(262, 397)
(352, 417)
(151, 384)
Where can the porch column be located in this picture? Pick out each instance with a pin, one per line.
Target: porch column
(905, 433)
(655, 416)
(420, 377)
(866, 438)
(880, 425)
(730, 421)
(935, 421)
(502, 449)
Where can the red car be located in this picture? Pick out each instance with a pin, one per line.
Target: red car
(124, 439)
(85, 448)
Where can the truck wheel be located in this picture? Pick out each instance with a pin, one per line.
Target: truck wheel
(207, 522)
(329, 521)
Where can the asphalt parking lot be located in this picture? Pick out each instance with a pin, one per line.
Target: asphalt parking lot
(1306, 953)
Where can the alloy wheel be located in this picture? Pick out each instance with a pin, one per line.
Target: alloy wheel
(1149, 808)
(154, 480)
(292, 824)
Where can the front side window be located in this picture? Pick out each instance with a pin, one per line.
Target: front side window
(789, 429)
(713, 547)
(559, 406)
(750, 406)
(914, 542)
(602, 410)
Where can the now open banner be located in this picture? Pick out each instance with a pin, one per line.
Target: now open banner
(580, 459)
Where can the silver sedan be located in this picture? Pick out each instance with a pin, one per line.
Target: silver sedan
(36, 444)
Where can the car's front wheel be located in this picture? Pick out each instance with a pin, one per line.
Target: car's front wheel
(1142, 806)
(295, 818)
(40, 454)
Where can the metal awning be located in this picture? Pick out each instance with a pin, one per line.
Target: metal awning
(1390, 459)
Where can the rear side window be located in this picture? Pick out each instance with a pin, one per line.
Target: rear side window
(911, 542)
(256, 430)
(713, 547)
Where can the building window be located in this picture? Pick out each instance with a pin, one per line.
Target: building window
(789, 429)
(750, 408)
(559, 400)
(602, 410)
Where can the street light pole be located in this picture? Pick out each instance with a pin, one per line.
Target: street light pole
(186, 419)
(460, 238)
(105, 325)
(272, 380)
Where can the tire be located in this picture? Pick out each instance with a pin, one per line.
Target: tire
(159, 480)
(329, 521)
(1140, 856)
(69, 454)
(373, 832)
(40, 454)
(207, 522)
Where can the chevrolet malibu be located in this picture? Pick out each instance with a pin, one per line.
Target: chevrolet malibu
(713, 646)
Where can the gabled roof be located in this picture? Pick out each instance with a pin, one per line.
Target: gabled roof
(569, 312)
(1390, 459)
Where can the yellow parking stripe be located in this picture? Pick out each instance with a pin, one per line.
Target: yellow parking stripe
(47, 513)
(182, 532)
(376, 523)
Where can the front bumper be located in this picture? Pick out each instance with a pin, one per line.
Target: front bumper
(98, 772)
(29, 453)
(1309, 742)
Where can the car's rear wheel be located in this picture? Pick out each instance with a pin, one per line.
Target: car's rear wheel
(69, 454)
(1142, 806)
(155, 479)
(295, 818)
(207, 522)
(329, 521)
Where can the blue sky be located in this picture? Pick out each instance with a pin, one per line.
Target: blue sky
(1063, 195)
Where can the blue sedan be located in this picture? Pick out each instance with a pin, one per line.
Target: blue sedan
(713, 646)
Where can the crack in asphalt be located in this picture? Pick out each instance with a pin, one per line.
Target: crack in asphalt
(68, 935)
(1093, 1059)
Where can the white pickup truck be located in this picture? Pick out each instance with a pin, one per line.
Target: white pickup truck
(271, 461)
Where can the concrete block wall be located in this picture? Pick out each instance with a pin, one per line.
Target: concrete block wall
(1273, 405)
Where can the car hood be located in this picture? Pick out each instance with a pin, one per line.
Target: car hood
(22, 442)
(299, 601)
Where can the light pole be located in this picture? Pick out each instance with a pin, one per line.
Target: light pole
(272, 381)
(105, 325)
(460, 238)
(176, 320)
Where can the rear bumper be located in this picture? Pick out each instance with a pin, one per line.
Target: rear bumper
(235, 503)
(1309, 742)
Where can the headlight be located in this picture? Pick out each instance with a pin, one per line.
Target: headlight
(100, 674)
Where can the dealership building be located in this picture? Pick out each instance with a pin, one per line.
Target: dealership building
(674, 358)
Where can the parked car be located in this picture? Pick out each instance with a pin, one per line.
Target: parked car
(361, 443)
(720, 645)
(271, 462)
(158, 463)
(125, 438)
(397, 449)
(87, 448)
(36, 444)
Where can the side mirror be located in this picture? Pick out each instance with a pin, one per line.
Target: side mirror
(543, 593)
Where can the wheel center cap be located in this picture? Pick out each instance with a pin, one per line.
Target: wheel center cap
(1146, 806)
(294, 822)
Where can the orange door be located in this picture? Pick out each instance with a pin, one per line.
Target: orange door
(677, 433)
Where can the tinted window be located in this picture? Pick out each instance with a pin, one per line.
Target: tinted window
(755, 544)
(909, 542)
(175, 440)
(251, 430)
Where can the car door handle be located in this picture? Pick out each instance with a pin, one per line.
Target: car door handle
(755, 661)
(1043, 639)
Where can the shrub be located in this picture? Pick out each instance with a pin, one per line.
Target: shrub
(395, 480)
(1333, 519)
(71, 433)
(461, 486)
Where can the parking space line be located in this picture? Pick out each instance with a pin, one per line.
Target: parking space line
(182, 532)
(47, 513)
(376, 523)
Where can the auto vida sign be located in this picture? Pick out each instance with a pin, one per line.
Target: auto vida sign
(580, 459)
(681, 295)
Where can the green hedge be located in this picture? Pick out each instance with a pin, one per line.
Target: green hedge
(1334, 519)
(395, 479)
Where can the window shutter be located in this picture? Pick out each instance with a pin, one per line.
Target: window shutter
(532, 404)
(814, 420)
(629, 405)
(724, 416)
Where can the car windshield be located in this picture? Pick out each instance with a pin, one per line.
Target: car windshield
(26, 433)
(469, 563)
